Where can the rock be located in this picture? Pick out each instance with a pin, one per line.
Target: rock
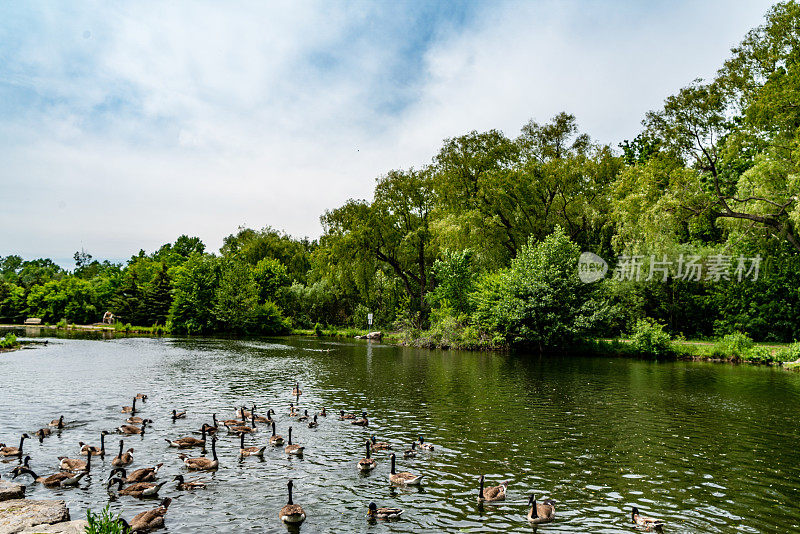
(375, 335)
(67, 527)
(9, 490)
(19, 514)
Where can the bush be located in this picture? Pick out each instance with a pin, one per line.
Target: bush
(758, 355)
(789, 354)
(318, 330)
(649, 338)
(8, 341)
(104, 523)
(736, 346)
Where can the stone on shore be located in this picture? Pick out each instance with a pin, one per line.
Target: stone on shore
(9, 490)
(17, 515)
(67, 527)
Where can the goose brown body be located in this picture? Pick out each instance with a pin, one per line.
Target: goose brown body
(541, 512)
(203, 463)
(189, 441)
(14, 451)
(276, 439)
(56, 480)
(292, 513)
(138, 489)
(492, 493)
(194, 483)
(367, 464)
(648, 523)
(151, 519)
(295, 449)
(250, 451)
(145, 474)
(122, 458)
(403, 478)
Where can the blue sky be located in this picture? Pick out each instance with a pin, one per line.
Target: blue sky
(126, 124)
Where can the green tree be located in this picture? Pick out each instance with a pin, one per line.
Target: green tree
(194, 296)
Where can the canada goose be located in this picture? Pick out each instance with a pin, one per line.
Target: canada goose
(74, 464)
(492, 493)
(134, 420)
(130, 409)
(14, 451)
(405, 478)
(649, 523)
(292, 513)
(343, 416)
(211, 430)
(243, 429)
(296, 391)
(178, 415)
(142, 397)
(145, 474)
(383, 513)
(323, 413)
(380, 445)
(313, 423)
(134, 430)
(202, 463)
(424, 446)
(121, 460)
(56, 480)
(363, 421)
(149, 520)
(293, 449)
(292, 410)
(276, 439)
(250, 451)
(261, 418)
(303, 417)
(195, 483)
(243, 413)
(229, 422)
(138, 489)
(412, 452)
(189, 441)
(543, 512)
(366, 464)
(58, 423)
(96, 451)
(43, 433)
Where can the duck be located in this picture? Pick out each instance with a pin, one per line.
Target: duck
(297, 450)
(323, 413)
(58, 423)
(292, 513)
(404, 478)
(189, 441)
(648, 523)
(138, 489)
(130, 409)
(42, 433)
(195, 483)
(303, 417)
(492, 493)
(56, 480)
(14, 451)
(134, 430)
(380, 445)
(366, 464)
(313, 423)
(424, 446)
(363, 421)
(543, 512)
(145, 474)
(74, 464)
(261, 418)
(343, 416)
(250, 451)
(412, 452)
(276, 439)
(373, 512)
(149, 520)
(296, 391)
(95, 451)
(121, 460)
(203, 463)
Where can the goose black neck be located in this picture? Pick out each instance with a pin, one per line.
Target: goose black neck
(133, 407)
(203, 433)
(290, 435)
(102, 443)
(392, 470)
(242, 441)
(290, 492)
(214, 449)
(120, 448)
(21, 440)
(535, 508)
(89, 461)
(61, 422)
(367, 449)
(273, 429)
(253, 419)
(480, 490)
(214, 418)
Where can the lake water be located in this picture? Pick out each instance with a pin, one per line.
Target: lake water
(705, 447)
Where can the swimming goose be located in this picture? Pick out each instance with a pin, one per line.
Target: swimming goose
(74, 464)
(649, 523)
(139, 489)
(189, 441)
(228, 422)
(380, 445)
(178, 415)
(130, 409)
(343, 416)
(543, 512)
(424, 446)
(323, 413)
(149, 520)
(58, 423)
(145, 474)
(134, 430)
(492, 493)
(134, 420)
(373, 512)
(292, 513)
(313, 423)
(14, 451)
(404, 478)
(412, 452)
(261, 418)
(250, 451)
(56, 480)
(276, 439)
(293, 449)
(96, 451)
(296, 391)
(202, 463)
(194, 483)
(43, 433)
(292, 410)
(363, 421)
(303, 417)
(142, 397)
(121, 460)
(243, 429)
(367, 464)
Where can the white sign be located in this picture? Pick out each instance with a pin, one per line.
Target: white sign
(369, 319)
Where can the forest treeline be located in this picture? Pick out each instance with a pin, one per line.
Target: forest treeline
(480, 247)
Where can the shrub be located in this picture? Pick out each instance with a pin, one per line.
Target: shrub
(758, 354)
(649, 338)
(318, 330)
(789, 354)
(735, 345)
(104, 523)
(8, 341)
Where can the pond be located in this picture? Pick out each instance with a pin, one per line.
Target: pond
(705, 447)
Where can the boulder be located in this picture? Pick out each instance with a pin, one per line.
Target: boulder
(9, 490)
(375, 335)
(16, 515)
(67, 527)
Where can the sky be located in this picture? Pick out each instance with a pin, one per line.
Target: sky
(126, 124)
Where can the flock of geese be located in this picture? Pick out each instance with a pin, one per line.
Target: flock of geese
(142, 482)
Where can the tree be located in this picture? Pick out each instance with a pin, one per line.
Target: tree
(157, 298)
(194, 297)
